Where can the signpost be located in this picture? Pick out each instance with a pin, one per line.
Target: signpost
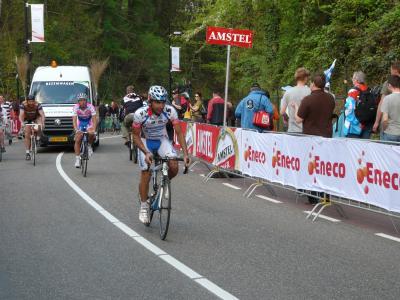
(230, 37)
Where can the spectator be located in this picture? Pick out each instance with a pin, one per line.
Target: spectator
(187, 116)
(394, 70)
(180, 103)
(316, 110)
(315, 113)
(197, 108)
(352, 127)
(293, 96)
(215, 111)
(102, 117)
(391, 111)
(256, 100)
(131, 103)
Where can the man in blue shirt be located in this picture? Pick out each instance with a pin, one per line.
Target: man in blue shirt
(256, 100)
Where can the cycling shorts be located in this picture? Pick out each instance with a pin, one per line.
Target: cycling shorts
(163, 147)
(85, 125)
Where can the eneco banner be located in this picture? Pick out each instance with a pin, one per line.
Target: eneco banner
(37, 16)
(358, 170)
(353, 169)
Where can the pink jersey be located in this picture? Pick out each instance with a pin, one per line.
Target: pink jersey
(84, 115)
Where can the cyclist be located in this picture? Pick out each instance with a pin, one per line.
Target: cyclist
(31, 112)
(3, 124)
(152, 122)
(84, 119)
(131, 103)
(4, 121)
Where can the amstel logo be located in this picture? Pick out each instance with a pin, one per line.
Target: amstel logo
(189, 137)
(227, 150)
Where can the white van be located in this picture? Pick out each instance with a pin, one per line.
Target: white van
(56, 88)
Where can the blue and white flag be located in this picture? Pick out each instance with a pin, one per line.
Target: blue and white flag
(328, 73)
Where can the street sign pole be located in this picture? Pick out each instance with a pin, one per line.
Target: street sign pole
(229, 37)
(228, 56)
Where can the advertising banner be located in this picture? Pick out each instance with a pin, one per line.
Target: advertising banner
(15, 126)
(227, 149)
(189, 132)
(353, 169)
(175, 67)
(206, 141)
(229, 36)
(37, 15)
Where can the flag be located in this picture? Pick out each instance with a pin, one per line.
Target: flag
(328, 73)
(37, 23)
(175, 59)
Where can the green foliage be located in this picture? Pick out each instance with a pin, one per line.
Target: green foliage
(360, 34)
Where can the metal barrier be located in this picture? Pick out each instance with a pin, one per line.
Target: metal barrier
(325, 200)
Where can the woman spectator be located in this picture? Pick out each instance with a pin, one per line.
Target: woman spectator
(197, 109)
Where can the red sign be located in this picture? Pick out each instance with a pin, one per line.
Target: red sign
(229, 36)
(15, 126)
(206, 141)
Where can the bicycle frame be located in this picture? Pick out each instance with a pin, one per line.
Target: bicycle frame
(33, 147)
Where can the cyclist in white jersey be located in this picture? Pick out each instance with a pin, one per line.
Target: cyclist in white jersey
(152, 120)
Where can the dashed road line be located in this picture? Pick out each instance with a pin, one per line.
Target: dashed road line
(268, 199)
(232, 186)
(193, 275)
(390, 237)
(110, 137)
(323, 217)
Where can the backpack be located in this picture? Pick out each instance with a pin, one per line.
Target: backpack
(367, 105)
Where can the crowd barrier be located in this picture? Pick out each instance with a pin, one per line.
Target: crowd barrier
(358, 170)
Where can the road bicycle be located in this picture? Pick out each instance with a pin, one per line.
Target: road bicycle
(34, 141)
(160, 200)
(132, 148)
(84, 154)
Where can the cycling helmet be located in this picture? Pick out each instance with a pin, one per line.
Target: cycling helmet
(30, 97)
(157, 92)
(82, 96)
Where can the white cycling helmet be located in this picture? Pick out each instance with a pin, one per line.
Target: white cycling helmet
(81, 96)
(157, 92)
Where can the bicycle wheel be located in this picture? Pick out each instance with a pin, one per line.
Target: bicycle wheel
(135, 154)
(165, 207)
(33, 151)
(85, 158)
(130, 150)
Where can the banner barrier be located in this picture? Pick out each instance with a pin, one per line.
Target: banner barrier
(349, 168)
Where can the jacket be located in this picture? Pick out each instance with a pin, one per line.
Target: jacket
(255, 101)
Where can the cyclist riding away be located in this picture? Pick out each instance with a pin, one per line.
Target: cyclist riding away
(152, 122)
(4, 121)
(131, 103)
(84, 119)
(3, 124)
(31, 112)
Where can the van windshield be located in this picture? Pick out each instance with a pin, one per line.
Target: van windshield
(59, 92)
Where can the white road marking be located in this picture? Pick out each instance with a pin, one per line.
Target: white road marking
(323, 217)
(268, 199)
(193, 275)
(110, 137)
(232, 186)
(386, 236)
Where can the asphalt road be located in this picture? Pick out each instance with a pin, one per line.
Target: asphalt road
(55, 245)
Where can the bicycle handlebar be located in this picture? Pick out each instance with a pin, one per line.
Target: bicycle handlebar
(167, 159)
